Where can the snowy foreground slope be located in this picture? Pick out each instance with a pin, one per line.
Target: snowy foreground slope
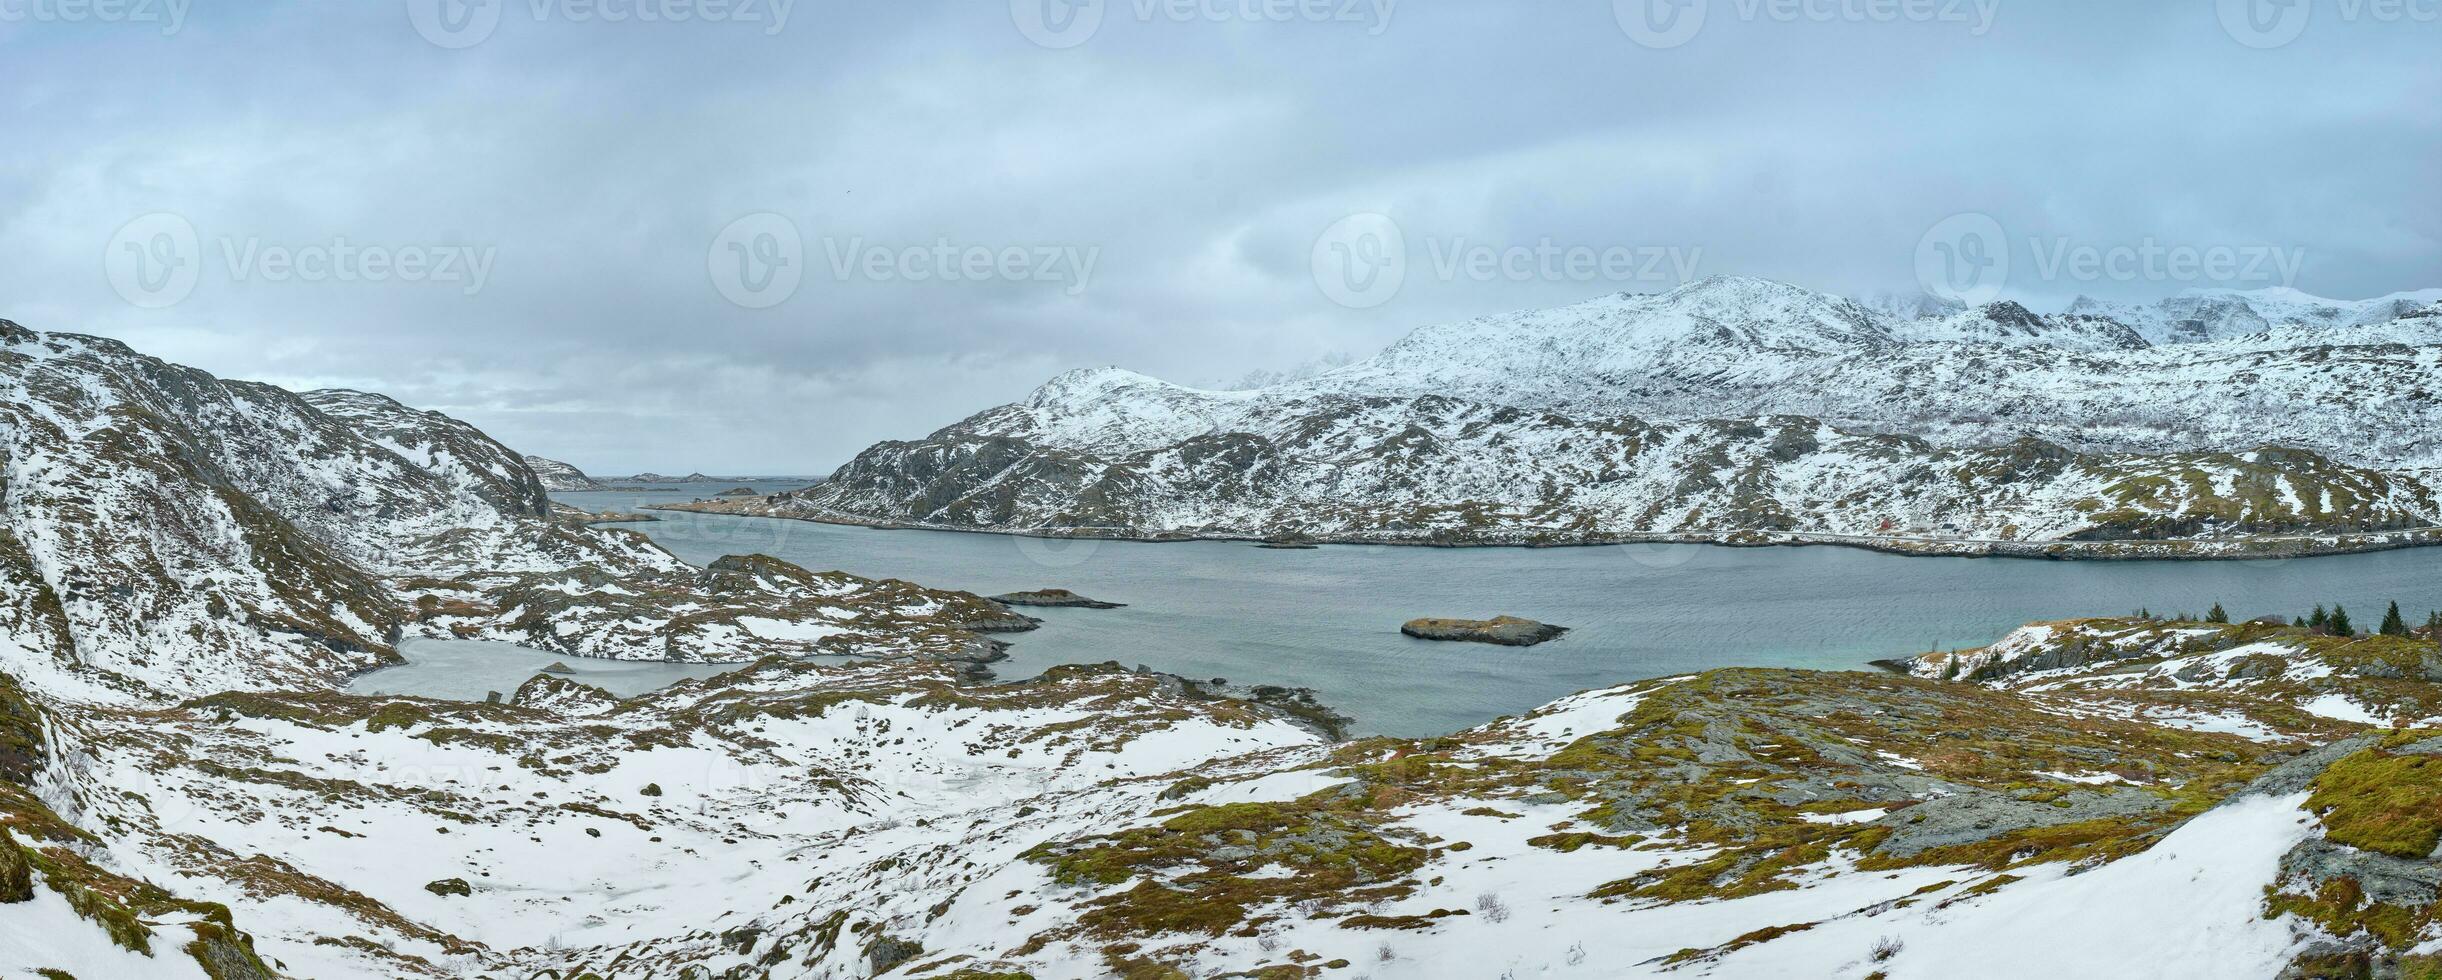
(791, 820)
(1739, 410)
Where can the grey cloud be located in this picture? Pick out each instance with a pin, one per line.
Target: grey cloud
(1199, 159)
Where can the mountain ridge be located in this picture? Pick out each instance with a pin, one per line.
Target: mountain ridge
(1706, 411)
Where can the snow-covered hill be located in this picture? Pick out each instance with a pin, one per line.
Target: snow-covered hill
(1434, 469)
(2007, 324)
(559, 477)
(168, 532)
(2217, 314)
(1727, 409)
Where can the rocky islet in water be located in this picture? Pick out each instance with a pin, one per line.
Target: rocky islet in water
(1508, 631)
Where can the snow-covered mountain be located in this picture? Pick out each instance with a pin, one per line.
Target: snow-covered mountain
(657, 478)
(1267, 378)
(559, 477)
(1911, 305)
(2200, 315)
(168, 532)
(1726, 348)
(1726, 409)
(2007, 324)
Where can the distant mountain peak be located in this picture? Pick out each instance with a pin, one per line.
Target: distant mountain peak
(1911, 305)
(1097, 382)
(2010, 324)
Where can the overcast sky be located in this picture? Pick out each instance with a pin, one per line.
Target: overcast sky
(621, 243)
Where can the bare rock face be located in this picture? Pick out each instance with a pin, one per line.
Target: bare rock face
(1508, 631)
(559, 477)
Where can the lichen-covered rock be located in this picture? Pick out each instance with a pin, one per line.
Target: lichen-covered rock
(1508, 631)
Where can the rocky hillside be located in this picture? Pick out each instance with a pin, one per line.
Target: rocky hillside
(559, 477)
(1441, 470)
(2216, 314)
(1729, 409)
(168, 531)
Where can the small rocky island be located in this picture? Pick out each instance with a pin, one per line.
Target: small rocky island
(1054, 598)
(1508, 631)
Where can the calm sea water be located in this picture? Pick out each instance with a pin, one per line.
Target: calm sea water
(1329, 618)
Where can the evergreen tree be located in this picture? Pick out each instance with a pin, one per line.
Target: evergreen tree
(2217, 615)
(2298, 621)
(2340, 622)
(2319, 622)
(2393, 625)
(2433, 623)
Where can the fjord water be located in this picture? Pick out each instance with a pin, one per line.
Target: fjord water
(1329, 618)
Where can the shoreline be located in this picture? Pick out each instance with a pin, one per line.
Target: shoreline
(2280, 548)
